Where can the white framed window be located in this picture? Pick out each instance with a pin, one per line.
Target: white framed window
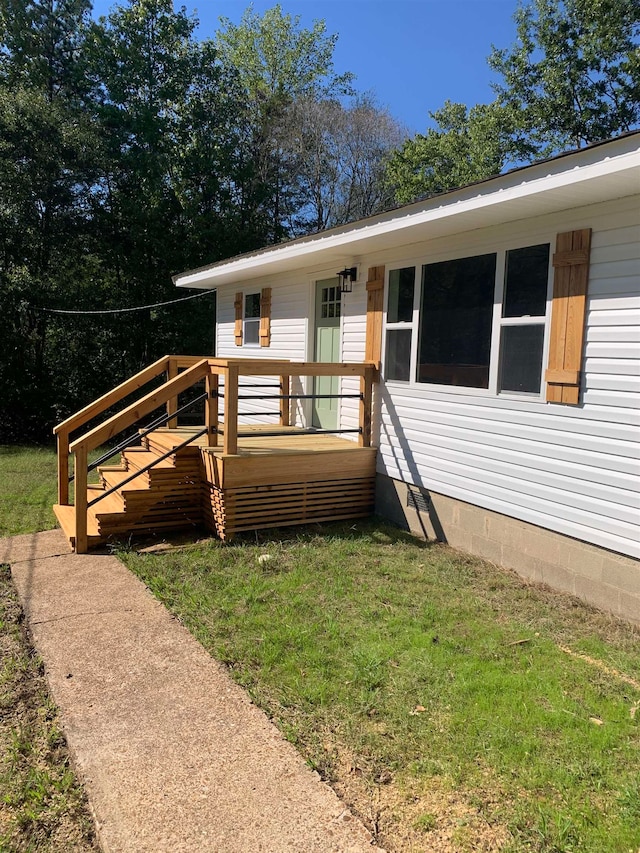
(251, 319)
(401, 296)
(523, 320)
(478, 323)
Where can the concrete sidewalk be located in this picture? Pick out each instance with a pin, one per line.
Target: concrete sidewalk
(173, 755)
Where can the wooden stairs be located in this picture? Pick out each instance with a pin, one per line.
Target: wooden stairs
(166, 497)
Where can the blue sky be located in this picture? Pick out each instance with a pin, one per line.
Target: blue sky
(412, 54)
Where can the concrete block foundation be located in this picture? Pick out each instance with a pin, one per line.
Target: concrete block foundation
(603, 578)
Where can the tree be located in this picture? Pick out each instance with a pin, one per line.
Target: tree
(47, 166)
(369, 135)
(278, 63)
(120, 162)
(574, 75)
(467, 146)
(338, 156)
(572, 78)
(166, 197)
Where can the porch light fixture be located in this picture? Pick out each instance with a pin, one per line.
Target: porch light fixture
(347, 276)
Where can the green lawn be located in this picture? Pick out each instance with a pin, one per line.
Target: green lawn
(27, 489)
(434, 690)
(454, 707)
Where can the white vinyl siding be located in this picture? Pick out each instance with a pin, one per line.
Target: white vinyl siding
(289, 309)
(575, 470)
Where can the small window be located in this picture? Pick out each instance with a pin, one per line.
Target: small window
(400, 306)
(398, 355)
(401, 286)
(252, 319)
(330, 303)
(456, 314)
(521, 362)
(523, 321)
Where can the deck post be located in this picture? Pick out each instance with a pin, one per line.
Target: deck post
(80, 484)
(366, 392)
(172, 403)
(63, 467)
(285, 413)
(231, 409)
(211, 408)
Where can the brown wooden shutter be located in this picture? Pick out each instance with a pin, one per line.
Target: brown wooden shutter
(375, 297)
(571, 277)
(238, 327)
(265, 317)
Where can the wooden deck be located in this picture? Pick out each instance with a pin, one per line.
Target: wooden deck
(226, 475)
(277, 480)
(273, 481)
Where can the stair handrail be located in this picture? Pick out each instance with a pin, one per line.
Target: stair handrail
(169, 364)
(118, 422)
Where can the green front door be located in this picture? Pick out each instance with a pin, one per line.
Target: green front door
(327, 348)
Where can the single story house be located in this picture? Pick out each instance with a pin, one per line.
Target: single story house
(505, 320)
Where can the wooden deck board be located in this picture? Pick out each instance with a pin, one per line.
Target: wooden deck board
(289, 441)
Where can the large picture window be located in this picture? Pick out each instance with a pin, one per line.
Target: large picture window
(455, 321)
(463, 327)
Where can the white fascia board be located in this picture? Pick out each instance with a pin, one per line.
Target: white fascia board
(472, 207)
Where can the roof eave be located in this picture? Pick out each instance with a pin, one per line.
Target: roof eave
(593, 176)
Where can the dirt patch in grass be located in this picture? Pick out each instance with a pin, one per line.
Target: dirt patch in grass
(417, 815)
(42, 806)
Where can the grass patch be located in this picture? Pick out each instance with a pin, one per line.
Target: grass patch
(28, 492)
(435, 691)
(29, 487)
(42, 807)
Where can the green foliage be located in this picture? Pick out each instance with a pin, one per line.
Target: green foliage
(573, 76)
(119, 162)
(467, 146)
(46, 171)
(129, 150)
(279, 64)
(278, 60)
(167, 113)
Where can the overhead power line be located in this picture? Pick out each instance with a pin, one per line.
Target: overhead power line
(122, 310)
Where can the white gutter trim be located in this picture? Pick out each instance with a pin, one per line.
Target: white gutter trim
(451, 208)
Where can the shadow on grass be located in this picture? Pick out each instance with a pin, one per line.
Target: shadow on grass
(368, 529)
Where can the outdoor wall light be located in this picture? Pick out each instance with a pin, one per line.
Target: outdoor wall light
(347, 277)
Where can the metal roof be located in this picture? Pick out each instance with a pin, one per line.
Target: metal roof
(598, 172)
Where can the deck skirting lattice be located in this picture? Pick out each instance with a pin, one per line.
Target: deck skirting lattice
(231, 511)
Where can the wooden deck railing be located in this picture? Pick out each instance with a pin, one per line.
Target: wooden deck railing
(195, 369)
(168, 364)
(232, 369)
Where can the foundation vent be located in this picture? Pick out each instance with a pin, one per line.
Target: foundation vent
(417, 500)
